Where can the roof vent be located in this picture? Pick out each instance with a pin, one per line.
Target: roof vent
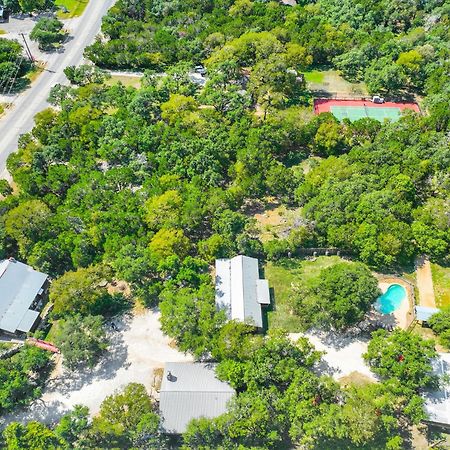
(171, 377)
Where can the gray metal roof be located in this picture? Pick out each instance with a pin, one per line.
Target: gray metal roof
(239, 291)
(19, 287)
(423, 313)
(437, 403)
(190, 391)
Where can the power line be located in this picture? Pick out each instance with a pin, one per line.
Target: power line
(13, 80)
(28, 51)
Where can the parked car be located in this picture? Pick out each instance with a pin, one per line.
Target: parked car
(377, 99)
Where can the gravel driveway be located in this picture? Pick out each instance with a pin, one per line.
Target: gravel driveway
(343, 354)
(137, 348)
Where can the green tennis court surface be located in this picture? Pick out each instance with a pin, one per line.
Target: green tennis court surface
(360, 112)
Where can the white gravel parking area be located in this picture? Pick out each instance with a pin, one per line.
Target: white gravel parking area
(343, 355)
(138, 347)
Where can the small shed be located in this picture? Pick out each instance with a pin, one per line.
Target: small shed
(423, 313)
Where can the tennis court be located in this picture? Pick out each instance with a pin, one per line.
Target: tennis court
(359, 112)
(360, 109)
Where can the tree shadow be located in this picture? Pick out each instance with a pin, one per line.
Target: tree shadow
(114, 359)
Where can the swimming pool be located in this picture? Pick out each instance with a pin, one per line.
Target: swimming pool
(391, 300)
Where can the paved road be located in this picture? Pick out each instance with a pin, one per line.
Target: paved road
(20, 119)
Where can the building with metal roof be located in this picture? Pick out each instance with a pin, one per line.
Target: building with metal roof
(21, 296)
(423, 313)
(240, 291)
(437, 402)
(190, 391)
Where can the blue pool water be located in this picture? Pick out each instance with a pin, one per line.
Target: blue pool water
(391, 299)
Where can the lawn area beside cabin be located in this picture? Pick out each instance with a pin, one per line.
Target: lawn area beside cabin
(330, 83)
(441, 284)
(282, 276)
(71, 8)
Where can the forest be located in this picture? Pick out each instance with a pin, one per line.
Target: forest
(150, 185)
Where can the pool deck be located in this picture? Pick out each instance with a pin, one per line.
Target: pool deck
(403, 315)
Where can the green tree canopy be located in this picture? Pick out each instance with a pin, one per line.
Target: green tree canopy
(81, 340)
(339, 297)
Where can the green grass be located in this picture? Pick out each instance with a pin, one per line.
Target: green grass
(314, 76)
(75, 8)
(6, 346)
(282, 276)
(127, 81)
(52, 332)
(441, 284)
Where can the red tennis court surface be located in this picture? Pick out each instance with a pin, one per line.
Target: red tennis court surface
(358, 109)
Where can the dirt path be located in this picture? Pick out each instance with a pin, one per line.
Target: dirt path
(425, 282)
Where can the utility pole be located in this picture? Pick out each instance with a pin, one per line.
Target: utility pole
(30, 56)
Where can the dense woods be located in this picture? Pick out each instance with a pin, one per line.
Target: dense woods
(150, 185)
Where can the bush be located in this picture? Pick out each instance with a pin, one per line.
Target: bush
(48, 33)
(276, 249)
(440, 324)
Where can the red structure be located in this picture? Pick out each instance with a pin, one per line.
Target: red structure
(43, 345)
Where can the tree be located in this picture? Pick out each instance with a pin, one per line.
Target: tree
(329, 138)
(339, 297)
(48, 33)
(85, 74)
(73, 427)
(168, 242)
(164, 210)
(440, 324)
(125, 416)
(403, 357)
(34, 435)
(81, 340)
(21, 377)
(27, 223)
(366, 416)
(190, 317)
(80, 292)
(147, 435)
(384, 76)
(5, 188)
(28, 6)
(271, 362)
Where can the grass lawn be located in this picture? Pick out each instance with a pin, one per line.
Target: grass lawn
(441, 283)
(52, 332)
(74, 8)
(127, 81)
(282, 276)
(315, 76)
(331, 82)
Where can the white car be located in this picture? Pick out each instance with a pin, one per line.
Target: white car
(377, 99)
